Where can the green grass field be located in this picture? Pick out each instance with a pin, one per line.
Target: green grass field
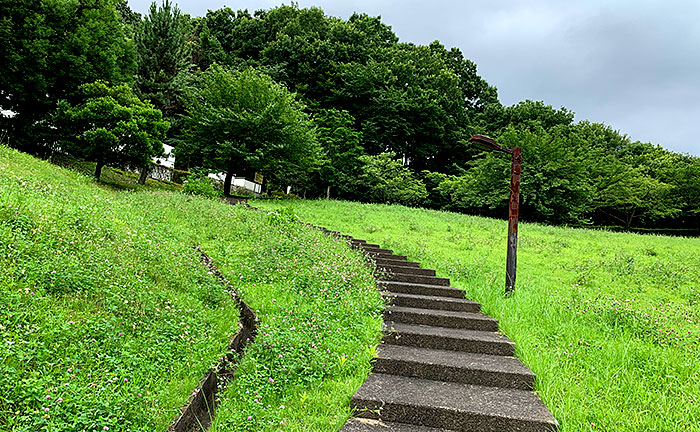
(108, 320)
(607, 321)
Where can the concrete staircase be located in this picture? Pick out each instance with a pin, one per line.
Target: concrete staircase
(442, 365)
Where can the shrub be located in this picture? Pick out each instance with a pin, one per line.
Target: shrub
(199, 184)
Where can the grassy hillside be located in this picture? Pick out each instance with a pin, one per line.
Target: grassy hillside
(108, 320)
(607, 321)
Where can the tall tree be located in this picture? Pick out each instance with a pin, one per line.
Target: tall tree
(163, 57)
(341, 147)
(385, 179)
(129, 17)
(242, 121)
(409, 103)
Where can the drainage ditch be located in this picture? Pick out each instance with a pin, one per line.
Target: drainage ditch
(199, 411)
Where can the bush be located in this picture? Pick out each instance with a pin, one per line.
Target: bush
(385, 180)
(200, 184)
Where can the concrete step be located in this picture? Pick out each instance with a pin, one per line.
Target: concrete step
(403, 269)
(378, 251)
(383, 255)
(393, 262)
(420, 289)
(439, 318)
(453, 366)
(443, 338)
(408, 270)
(369, 425)
(461, 407)
(369, 246)
(428, 280)
(431, 302)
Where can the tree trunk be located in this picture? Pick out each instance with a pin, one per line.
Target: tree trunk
(227, 183)
(628, 222)
(98, 169)
(328, 192)
(144, 174)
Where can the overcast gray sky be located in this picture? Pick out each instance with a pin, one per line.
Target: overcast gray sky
(634, 65)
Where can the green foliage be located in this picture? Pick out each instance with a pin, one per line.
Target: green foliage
(129, 17)
(341, 145)
(198, 183)
(108, 319)
(409, 102)
(554, 187)
(163, 57)
(109, 124)
(528, 114)
(238, 121)
(436, 197)
(412, 100)
(48, 49)
(609, 322)
(99, 286)
(385, 179)
(282, 217)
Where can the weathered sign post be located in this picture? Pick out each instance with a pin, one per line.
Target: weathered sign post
(513, 206)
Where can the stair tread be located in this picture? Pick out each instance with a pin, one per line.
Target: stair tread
(423, 279)
(369, 425)
(443, 313)
(456, 359)
(381, 262)
(524, 405)
(402, 269)
(484, 336)
(386, 256)
(390, 283)
(429, 297)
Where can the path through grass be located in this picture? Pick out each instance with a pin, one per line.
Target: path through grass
(108, 320)
(609, 322)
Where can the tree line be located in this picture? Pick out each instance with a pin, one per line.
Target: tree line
(331, 107)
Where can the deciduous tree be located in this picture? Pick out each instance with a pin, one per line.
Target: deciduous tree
(384, 179)
(110, 125)
(238, 121)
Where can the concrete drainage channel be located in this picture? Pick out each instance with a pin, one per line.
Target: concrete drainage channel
(198, 413)
(442, 365)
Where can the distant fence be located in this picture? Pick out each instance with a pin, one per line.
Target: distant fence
(164, 173)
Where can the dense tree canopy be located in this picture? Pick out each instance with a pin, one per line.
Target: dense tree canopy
(321, 104)
(47, 50)
(163, 56)
(242, 121)
(341, 150)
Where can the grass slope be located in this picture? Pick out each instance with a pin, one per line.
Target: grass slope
(108, 320)
(607, 321)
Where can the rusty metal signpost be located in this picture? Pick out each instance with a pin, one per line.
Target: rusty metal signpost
(513, 207)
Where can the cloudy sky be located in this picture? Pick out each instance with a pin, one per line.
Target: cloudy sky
(634, 65)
